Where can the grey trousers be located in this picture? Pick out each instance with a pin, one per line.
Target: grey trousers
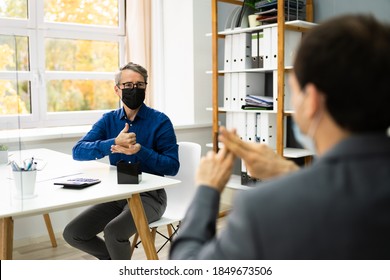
(116, 222)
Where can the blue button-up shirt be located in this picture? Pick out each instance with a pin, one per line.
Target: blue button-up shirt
(154, 131)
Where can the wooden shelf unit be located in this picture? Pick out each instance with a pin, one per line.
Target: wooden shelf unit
(281, 69)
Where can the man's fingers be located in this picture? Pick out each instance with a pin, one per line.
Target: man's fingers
(230, 156)
(131, 149)
(210, 154)
(221, 153)
(225, 157)
(232, 142)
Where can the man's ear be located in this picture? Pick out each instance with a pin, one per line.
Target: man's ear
(314, 102)
(116, 89)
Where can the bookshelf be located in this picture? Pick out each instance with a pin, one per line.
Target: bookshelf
(284, 42)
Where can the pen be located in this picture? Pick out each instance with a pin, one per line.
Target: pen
(15, 166)
(28, 167)
(33, 166)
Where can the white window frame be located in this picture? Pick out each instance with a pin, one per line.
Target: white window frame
(10, 121)
(37, 30)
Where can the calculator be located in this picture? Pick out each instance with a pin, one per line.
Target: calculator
(78, 183)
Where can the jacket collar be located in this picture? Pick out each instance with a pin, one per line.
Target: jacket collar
(360, 145)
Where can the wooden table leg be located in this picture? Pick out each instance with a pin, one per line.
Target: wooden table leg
(6, 238)
(50, 230)
(138, 213)
(308, 160)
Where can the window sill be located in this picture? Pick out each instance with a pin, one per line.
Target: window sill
(37, 134)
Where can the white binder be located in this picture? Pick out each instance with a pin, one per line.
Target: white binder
(275, 89)
(266, 129)
(227, 88)
(239, 123)
(236, 50)
(251, 127)
(229, 120)
(287, 91)
(262, 50)
(265, 47)
(255, 50)
(292, 40)
(245, 54)
(234, 91)
(257, 57)
(228, 52)
(274, 47)
(241, 51)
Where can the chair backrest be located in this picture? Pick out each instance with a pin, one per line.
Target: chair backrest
(180, 196)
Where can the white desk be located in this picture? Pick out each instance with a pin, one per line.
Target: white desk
(52, 198)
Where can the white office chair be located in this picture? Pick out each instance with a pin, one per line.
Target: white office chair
(179, 196)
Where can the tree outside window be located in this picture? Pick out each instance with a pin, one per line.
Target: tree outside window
(74, 51)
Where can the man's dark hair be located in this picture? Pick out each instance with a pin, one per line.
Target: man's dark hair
(348, 59)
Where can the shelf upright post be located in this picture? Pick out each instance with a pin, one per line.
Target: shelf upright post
(281, 82)
(214, 44)
(309, 10)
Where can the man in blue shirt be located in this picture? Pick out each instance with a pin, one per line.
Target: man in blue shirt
(134, 133)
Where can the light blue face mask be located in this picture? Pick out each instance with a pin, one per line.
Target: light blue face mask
(303, 139)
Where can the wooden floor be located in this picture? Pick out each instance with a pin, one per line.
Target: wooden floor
(44, 251)
(63, 251)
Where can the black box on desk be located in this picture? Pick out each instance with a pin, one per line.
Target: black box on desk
(128, 173)
(247, 180)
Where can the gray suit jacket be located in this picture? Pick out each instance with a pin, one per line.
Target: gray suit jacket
(338, 208)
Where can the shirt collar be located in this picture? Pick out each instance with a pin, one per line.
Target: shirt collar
(142, 113)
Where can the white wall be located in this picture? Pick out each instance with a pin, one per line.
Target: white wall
(326, 9)
(202, 57)
(186, 58)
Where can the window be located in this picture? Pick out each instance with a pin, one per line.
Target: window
(57, 61)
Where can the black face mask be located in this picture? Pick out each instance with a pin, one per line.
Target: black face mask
(133, 98)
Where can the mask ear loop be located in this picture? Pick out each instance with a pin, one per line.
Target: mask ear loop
(314, 124)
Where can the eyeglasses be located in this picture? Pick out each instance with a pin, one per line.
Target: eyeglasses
(130, 85)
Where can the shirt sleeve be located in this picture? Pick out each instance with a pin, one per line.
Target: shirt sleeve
(94, 144)
(197, 237)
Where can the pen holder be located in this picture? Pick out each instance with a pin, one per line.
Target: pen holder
(128, 173)
(25, 183)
